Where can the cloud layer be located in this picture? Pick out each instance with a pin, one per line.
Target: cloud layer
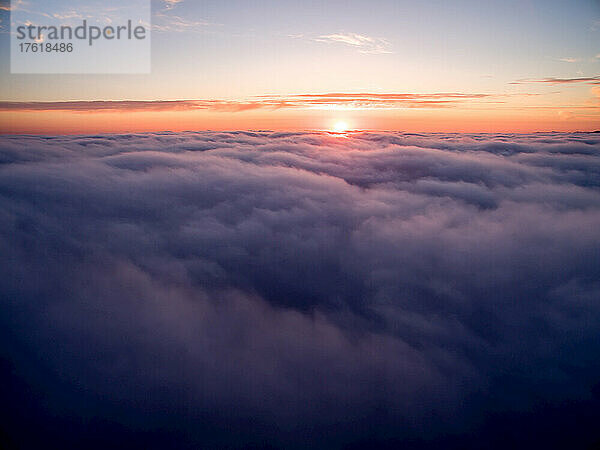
(300, 289)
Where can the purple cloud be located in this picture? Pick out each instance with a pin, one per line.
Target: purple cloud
(300, 289)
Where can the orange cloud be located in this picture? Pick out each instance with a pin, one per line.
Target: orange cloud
(298, 101)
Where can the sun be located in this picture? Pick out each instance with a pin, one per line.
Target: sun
(340, 127)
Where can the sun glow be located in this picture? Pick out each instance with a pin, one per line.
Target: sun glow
(340, 127)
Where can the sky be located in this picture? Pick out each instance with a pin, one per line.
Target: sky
(312, 224)
(465, 66)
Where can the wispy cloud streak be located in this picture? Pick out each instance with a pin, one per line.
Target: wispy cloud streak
(552, 80)
(348, 100)
(364, 44)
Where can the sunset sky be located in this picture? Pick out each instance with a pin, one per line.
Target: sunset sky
(300, 224)
(465, 66)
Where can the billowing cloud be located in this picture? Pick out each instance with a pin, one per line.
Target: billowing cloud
(300, 290)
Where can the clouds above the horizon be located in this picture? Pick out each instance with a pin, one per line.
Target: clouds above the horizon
(177, 24)
(165, 21)
(552, 80)
(362, 43)
(8, 5)
(170, 4)
(296, 101)
(300, 289)
(307, 101)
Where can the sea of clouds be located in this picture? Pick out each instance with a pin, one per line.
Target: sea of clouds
(309, 290)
